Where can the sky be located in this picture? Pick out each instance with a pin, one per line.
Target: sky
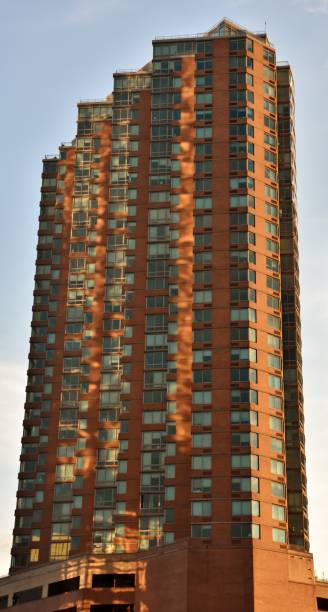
(55, 53)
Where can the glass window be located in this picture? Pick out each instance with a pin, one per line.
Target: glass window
(202, 418)
(202, 440)
(201, 485)
(245, 508)
(245, 530)
(245, 484)
(278, 512)
(277, 467)
(201, 508)
(279, 535)
(245, 461)
(278, 489)
(276, 423)
(201, 462)
(201, 397)
(203, 531)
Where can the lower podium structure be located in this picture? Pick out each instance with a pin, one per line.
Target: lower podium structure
(181, 577)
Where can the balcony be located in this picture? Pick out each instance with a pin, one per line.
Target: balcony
(98, 549)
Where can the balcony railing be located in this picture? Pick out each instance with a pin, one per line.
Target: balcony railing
(213, 33)
(95, 101)
(151, 510)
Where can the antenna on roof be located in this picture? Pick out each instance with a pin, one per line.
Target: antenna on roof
(265, 24)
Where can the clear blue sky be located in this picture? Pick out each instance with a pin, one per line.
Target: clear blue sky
(55, 53)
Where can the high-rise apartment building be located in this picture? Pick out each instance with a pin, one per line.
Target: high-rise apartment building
(162, 464)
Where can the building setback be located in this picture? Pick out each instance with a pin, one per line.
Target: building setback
(162, 464)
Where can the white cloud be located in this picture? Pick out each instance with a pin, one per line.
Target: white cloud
(318, 7)
(88, 11)
(314, 6)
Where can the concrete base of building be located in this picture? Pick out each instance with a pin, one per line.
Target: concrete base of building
(184, 577)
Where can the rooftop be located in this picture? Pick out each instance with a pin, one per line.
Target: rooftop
(223, 29)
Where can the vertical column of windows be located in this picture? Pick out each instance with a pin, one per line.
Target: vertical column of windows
(77, 389)
(62, 500)
(291, 328)
(111, 406)
(74, 405)
(92, 166)
(164, 127)
(69, 421)
(271, 377)
(201, 436)
(114, 407)
(273, 301)
(65, 171)
(243, 293)
(30, 496)
(174, 271)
